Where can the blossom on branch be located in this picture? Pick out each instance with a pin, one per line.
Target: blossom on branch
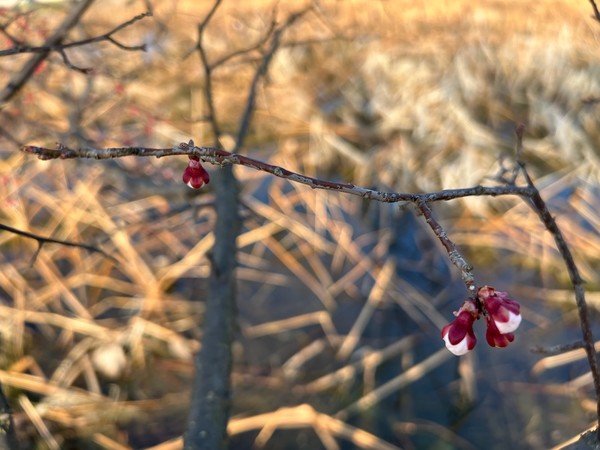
(503, 311)
(194, 175)
(459, 335)
(503, 316)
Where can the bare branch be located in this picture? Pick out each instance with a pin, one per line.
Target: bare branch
(245, 51)
(70, 65)
(46, 240)
(61, 47)
(17, 14)
(223, 158)
(557, 349)
(108, 36)
(539, 206)
(17, 82)
(260, 72)
(596, 11)
(466, 269)
(208, 90)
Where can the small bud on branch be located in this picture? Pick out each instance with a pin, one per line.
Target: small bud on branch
(194, 175)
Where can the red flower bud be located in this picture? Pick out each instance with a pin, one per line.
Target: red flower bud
(503, 316)
(494, 337)
(504, 311)
(459, 335)
(194, 175)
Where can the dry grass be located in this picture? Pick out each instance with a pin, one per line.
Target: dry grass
(338, 311)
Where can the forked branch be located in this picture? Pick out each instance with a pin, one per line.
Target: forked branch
(221, 157)
(41, 240)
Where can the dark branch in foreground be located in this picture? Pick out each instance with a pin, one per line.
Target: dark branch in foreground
(45, 240)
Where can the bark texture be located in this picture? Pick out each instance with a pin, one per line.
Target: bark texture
(209, 413)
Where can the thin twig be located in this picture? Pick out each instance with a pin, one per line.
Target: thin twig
(244, 51)
(61, 47)
(260, 72)
(208, 90)
(466, 269)
(108, 36)
(557, 349)
(596, 11)
(46, 240)
(17, 82)
(70, 65)
(539, 206)
(4, 27)
(223, 158)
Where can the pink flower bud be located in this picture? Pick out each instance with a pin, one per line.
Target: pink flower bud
(458, 335)
(194, 175)
(503, 311)
(494, 337)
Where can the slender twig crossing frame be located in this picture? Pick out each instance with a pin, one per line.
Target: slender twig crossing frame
(221, 157)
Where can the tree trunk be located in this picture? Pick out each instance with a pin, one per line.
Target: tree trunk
(209, 412)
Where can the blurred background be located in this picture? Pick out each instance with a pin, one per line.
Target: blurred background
(340, 301)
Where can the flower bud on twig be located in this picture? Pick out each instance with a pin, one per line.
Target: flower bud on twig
(194, 175)
(459, 335)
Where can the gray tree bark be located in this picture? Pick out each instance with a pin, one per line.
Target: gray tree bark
(209, 412)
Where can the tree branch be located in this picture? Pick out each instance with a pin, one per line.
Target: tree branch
(538, 204)
(45, 240)
(221, 157)
(18, 81)
(208, 91)
(466, 269)
(596, 11)
(46, 48)
(260, 72)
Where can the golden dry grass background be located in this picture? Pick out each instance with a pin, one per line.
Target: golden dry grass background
(398, 95)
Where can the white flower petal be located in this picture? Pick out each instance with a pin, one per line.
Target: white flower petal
(459, 349)
(511, 325)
